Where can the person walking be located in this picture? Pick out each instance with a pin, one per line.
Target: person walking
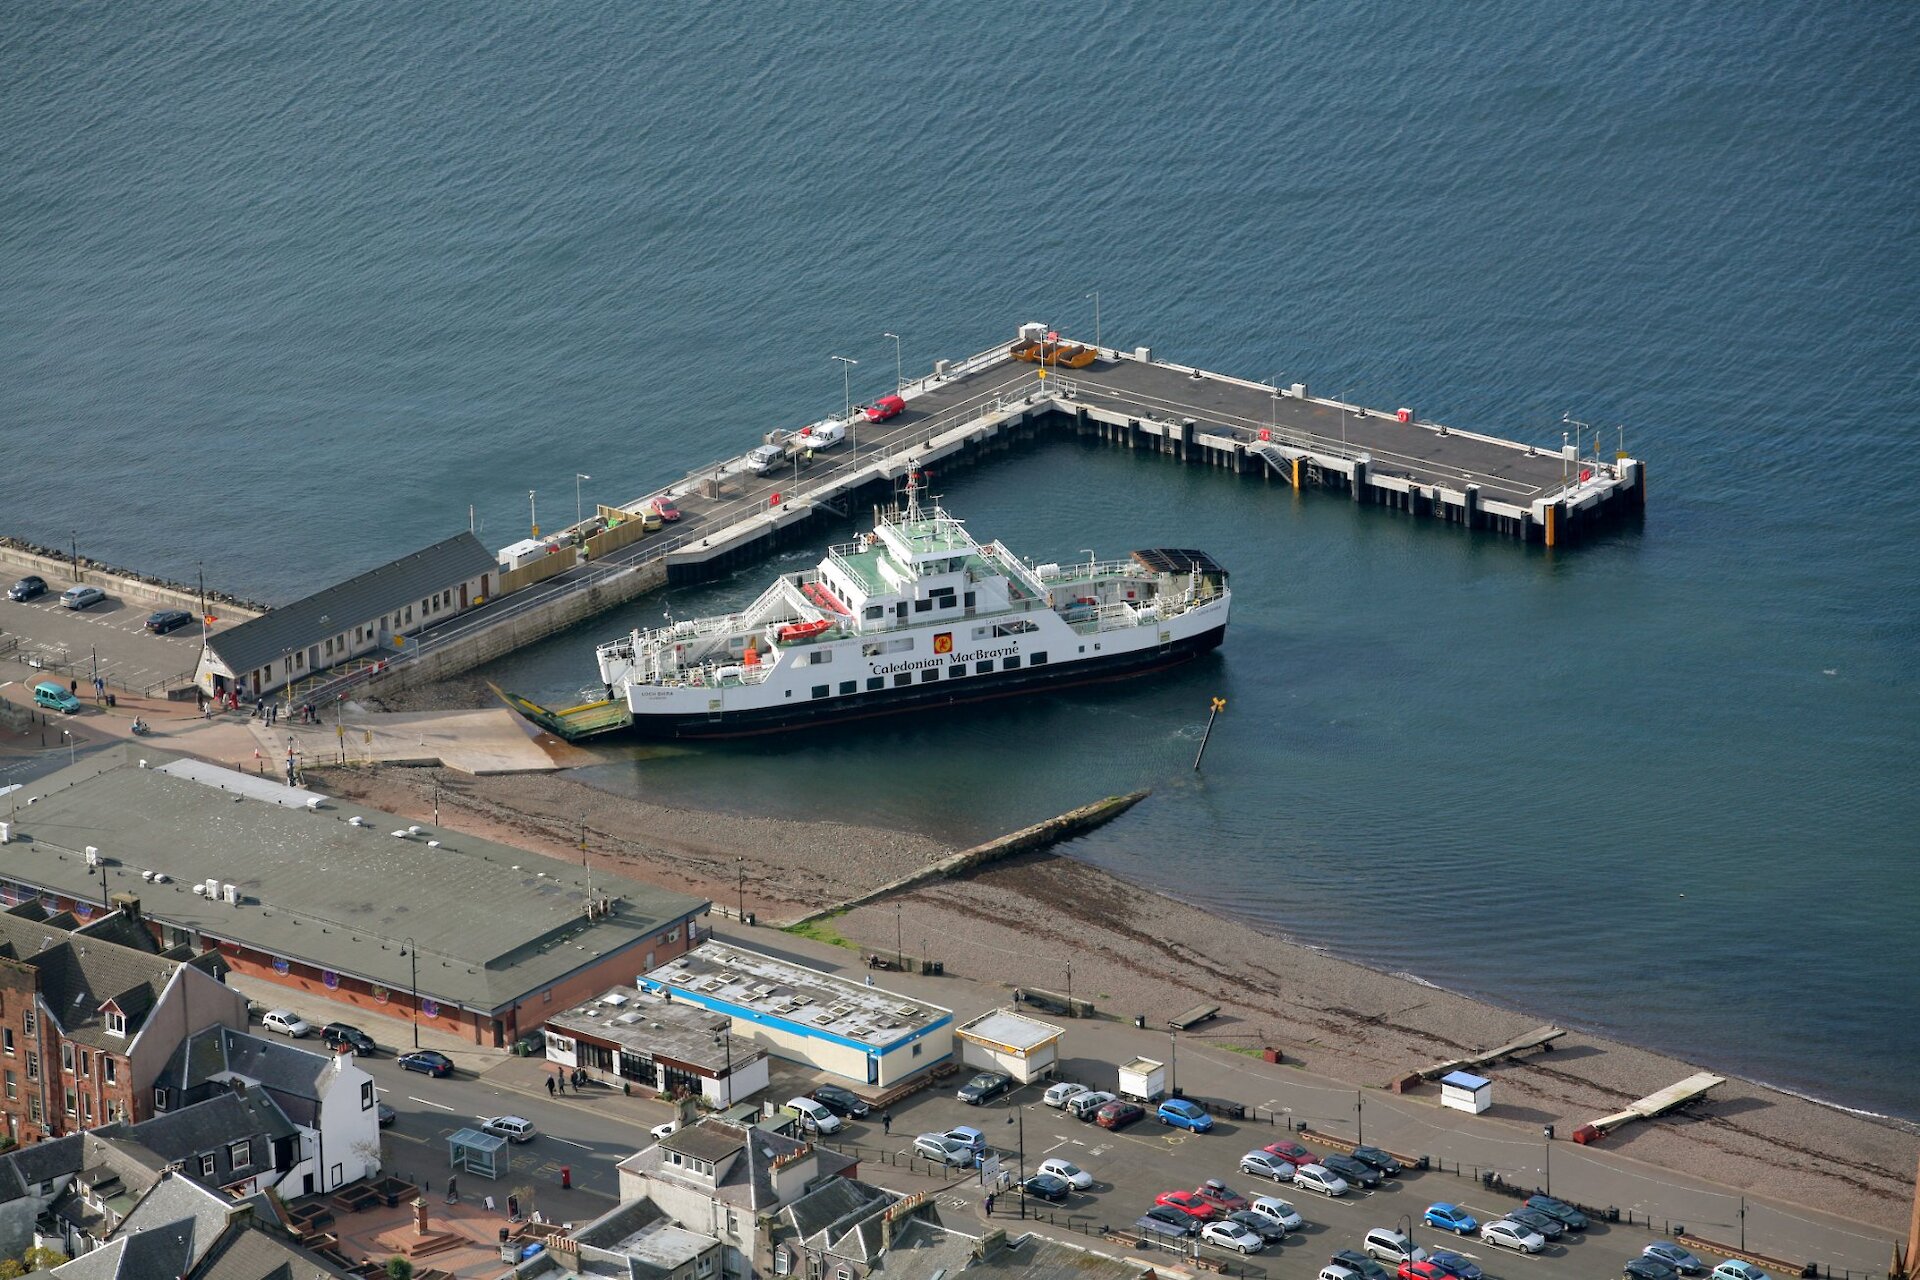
(886, 1122)
(989, 1204)
(563, 1082)
(549, 1086)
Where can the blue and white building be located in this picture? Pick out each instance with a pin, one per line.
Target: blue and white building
(862, 1033)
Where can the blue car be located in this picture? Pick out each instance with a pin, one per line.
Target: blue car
(1451, 1217)
(1182, 1114)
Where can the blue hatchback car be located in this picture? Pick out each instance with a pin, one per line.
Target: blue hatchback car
(1451, 1217)
(1182, 1114)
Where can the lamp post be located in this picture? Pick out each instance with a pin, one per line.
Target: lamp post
(1095, 295)
(74, 538)
(68, 735)
(1359, 1117)
(1406, 1229)
(1343, 414)
(899, 380)
(412, 952)
(899, 952)
(846, 397)
(740, 868)
(578, 476)
(1020, 1115)
(1069, 988)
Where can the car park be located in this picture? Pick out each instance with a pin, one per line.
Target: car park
(1562, 1212)
(1450, 1217)
(1060, 1094)
(287, 1023)
(1734, 1269)
(426, 1061)
(1264, 1164)
(1086, 1105)
(512, 1128)
(161, 621)
(27, 588)
(1392, 1246)
(941, 1148)
(1046, 1186)
(1188, 1203)
(1354, 1171)
(1509, 1234)
(1278, 1210)
(843, 1101)
(55, 697)
(1162, 1221)
(664, 509)
(765, 458)
(984, 1087)
(883, 408)
(1457, 1265)
(1118, 1115)
(1080, 1179)
(82, 597)
(1386, 1165)
(1645, 1268)
(1182, 1114)
(1231, 1235)
(1535, 1221)
(1362, 1267)
(1264, 1227)
(1314, 1177)
(1220, 1195)
(1687, 1264)
(336, 1035)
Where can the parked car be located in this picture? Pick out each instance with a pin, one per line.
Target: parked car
(1734, 1269)
(1058, 1095)
(1356, 1172)
(1645, 1268)
(1290, 1151)
(1182, 1114)
(1562, 1212)
(55, 696)
(1261, 1225)
(1067, 1169)
(161, 621)
(1231, 1235)
(665, 509)
(512, 1128)
(971, 1136)
(1086, 1105)
(1451, 1217)
(1162, 1221)
(983, 1088)
(386, 1114)
(1189, 1203)
(426, 1061)
(1534, 1220)
(1048, 1187)
(1220, 1195)
(815, 1117)
(286, 1022)
(1509, 1234)
(1421, 1269)
(765, 458)
(1278, 1210)
(1364, 1268)
(938, 1146)
(1380, 1160)
(1264, 1164)
(844, 1101)
(1673, 1255)
(1457, 1265)
(883, 408)
(82, 597)
(1391, 1246)
(651, 521)
(823, 434)
(336, 1034)
(27, 588)
(665, 1129)
(1118, 1115)
(1314, 1177)
(1334, 1271)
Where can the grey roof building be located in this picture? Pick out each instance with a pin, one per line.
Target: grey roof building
(632, 1241)
(181, 1231)
(350, 618)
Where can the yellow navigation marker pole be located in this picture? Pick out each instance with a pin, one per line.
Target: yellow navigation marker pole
(1219, 705)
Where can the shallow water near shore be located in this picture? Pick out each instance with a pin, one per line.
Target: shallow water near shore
(296, 286)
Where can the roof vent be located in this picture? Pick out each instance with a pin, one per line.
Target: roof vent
(146, 875)
(401, 833)
(161, 877)
(433, 844)
(143, 764)
(356, 821)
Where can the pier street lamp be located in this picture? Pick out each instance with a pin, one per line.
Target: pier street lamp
(68, 735)
(740, 866)
(846, 396)
(578, 476)
(1343, 414)
(1020, 1114)
(412, 953)
(898, 380)
(1095, 295)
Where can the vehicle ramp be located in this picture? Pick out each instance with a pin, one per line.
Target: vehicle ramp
(587, 720)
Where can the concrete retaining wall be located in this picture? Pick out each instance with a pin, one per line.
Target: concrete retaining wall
(18, 559)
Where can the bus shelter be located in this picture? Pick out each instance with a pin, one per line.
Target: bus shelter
(477, 1152)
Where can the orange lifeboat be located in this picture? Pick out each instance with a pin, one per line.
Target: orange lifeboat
(801, 630)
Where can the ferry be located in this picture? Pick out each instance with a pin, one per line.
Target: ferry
(915, 614)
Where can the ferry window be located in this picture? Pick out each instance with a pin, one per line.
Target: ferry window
(900, 610)
(930, 674)
(873, 611)
(849, 686)
(820, 691)
(956, 671)
(1038, 659)
(921, 606)
(981, 668)
(1009, 663)
(876, 682)
(901, 679)
(980, 633)
(967, 599)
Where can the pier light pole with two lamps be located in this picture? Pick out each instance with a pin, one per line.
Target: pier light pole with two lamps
(846, 397)
(411, 951)
(899, 380)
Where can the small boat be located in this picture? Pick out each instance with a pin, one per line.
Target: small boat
(801, 630)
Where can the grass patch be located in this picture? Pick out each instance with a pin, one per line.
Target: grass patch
(1247, 1049)
(822, 930)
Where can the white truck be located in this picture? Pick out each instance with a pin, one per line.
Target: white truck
(1143, 1080)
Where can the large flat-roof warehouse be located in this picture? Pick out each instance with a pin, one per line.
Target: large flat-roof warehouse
(358, 905)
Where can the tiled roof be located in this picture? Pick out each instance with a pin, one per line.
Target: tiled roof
(79, 973)
(207, 1060)
(359, 600)
(211, 1128)
(748, 1181)
(253, 1252)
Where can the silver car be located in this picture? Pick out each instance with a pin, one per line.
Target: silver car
(1265, 1164)
(949, 1151)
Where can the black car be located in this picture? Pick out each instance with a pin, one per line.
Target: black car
(1380, 1160)
(1644, 1268)
(1162, 1220)
(162, 621)
(338, 1034)
(1560, 1211)
(1048, 1187)
(1264, 1227)
(1549, 1227)
(27, 588)
(1361, 1265)
(840, 1101)
(983, 1087)
(1354, 1171)
(386, 1114)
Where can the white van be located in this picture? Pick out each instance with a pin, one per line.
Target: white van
(764, 459)
(823, 434)
(815, 1117)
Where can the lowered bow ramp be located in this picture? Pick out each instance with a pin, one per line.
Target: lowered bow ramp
(587, 720)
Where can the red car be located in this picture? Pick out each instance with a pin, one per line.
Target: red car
(883, 408)
(1220, 1196)
(1423, 1270)
(665, 510)
(1292, 1152)
(1189, 1203)
(1117, 1115)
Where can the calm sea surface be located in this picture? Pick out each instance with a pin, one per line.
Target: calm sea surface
(285, 289)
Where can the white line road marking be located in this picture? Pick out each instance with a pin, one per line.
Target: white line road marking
(583, 1146)
(425, 1103)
